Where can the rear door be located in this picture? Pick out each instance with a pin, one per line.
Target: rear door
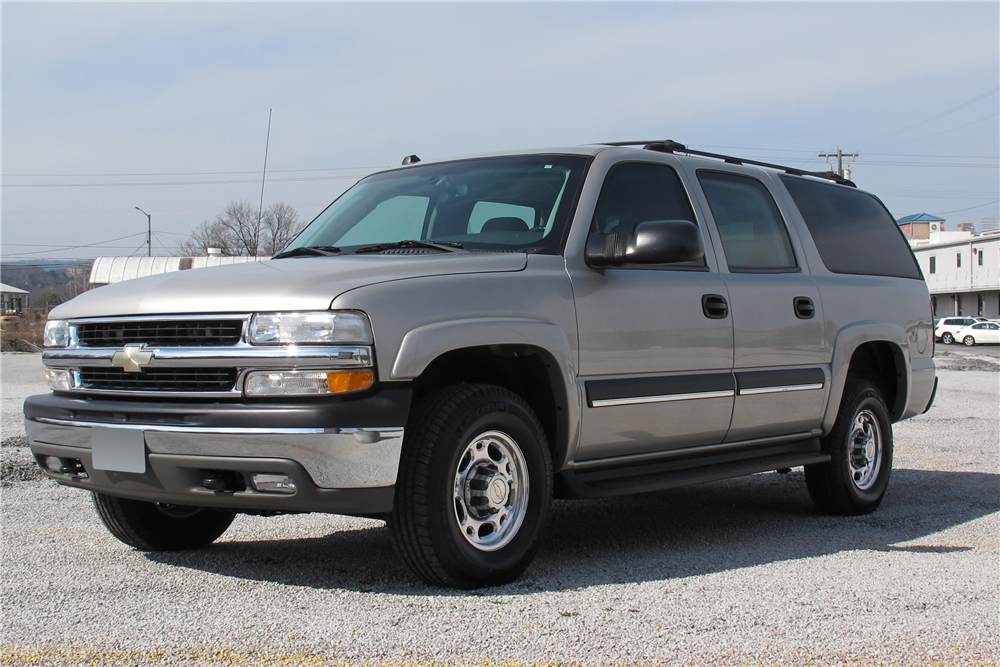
(780, 358)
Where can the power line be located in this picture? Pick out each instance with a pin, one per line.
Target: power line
(937, 134)
(208, 173)
(931, 119)
(971, 208)
(227, 182)
(77, 247)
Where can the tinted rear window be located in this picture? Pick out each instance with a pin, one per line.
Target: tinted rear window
(853, 231)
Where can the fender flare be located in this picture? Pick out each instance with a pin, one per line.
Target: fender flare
(848, 340)
(424, 344)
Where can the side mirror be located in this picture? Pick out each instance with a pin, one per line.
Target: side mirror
(651, 242)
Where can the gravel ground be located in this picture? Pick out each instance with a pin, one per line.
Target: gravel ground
(743, 571)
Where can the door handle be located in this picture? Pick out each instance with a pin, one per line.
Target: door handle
(714, 306)
(804, 307)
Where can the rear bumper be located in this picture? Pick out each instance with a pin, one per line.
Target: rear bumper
(342, 457)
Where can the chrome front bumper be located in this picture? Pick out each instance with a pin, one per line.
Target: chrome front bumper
(335, 458)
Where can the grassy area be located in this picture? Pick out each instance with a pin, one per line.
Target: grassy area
(25, 334)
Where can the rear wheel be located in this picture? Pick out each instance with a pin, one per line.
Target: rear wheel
(474, 487)
(947, 338)
(860, 445)
(969, 341)
(161, 526)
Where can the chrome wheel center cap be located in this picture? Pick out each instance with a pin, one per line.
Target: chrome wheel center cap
(870, 449)
(497, 491)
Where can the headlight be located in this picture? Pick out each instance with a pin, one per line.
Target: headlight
(321, 328)
(56, 333)
(307, 383)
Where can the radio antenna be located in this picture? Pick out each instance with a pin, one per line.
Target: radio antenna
(267, 142)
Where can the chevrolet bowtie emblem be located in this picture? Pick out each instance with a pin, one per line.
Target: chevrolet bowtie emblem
(132, 358)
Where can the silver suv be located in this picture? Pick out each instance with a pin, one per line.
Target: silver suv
(450, 345)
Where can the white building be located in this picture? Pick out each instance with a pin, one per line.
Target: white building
(962, 273)
(106, 270)
(13, 299)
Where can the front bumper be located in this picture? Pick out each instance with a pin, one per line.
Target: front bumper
(342, 455)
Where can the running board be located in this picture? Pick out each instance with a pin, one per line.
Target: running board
(656, 477)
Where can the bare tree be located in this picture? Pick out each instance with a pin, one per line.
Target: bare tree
(239, 231)
(281, 223)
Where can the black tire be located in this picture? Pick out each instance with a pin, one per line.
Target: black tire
(969, 341)
(947, 338)
(161, 527)
(855, 479)
(435, 521)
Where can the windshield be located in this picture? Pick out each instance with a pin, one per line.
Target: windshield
(508, 203)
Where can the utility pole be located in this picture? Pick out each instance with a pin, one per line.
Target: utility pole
(840, 155)
(149, 231)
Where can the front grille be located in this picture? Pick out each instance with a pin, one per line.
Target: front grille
(163, 379)
(161, 333)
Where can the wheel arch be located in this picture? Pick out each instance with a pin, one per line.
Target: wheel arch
(873, 351)
(531, 358)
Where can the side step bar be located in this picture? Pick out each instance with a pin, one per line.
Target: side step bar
(605, 483)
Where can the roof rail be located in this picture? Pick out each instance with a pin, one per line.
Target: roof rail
(669, 146)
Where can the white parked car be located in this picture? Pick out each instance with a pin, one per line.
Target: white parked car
(947, 328)
(979, 333)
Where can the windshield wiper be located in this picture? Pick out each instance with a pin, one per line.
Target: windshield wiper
(447, 246)
(312, 250)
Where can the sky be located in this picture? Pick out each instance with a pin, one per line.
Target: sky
(164, 106)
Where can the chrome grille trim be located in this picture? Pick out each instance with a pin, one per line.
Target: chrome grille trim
(159, 333)
(262, 357)
(185, 380)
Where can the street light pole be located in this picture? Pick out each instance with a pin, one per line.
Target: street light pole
(149, 231)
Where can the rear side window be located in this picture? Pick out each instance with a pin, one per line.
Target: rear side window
(753, 234)
(853, 231)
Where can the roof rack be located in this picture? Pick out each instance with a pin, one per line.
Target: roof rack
(669, 146)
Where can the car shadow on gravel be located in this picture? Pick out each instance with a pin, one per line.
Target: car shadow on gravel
(660, 536)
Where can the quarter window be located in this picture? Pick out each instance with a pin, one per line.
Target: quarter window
(853, 231)
(753, 233)
(933, 264)
(958, 260)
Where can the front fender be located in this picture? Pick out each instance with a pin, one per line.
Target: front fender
(849, 339)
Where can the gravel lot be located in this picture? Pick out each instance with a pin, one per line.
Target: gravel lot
(737, 572)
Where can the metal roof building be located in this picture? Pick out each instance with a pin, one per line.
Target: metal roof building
(106, 270)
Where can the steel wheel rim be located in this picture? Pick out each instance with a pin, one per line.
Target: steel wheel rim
(865, 455)
(491, 490)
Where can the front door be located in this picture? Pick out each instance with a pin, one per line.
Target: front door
(656, 342)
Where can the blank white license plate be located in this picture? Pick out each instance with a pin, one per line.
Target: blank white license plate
(118, 449)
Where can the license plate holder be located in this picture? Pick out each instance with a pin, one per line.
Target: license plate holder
(118, 449)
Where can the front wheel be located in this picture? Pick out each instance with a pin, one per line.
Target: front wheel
(969, 341)
(860, 445)
(474, 487)
(161, 526)
(947, 339)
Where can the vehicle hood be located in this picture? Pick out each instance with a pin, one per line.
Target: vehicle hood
(295, 283)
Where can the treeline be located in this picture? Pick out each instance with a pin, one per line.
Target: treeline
(49, 283)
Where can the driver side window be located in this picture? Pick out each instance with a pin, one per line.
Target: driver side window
(637, 192)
